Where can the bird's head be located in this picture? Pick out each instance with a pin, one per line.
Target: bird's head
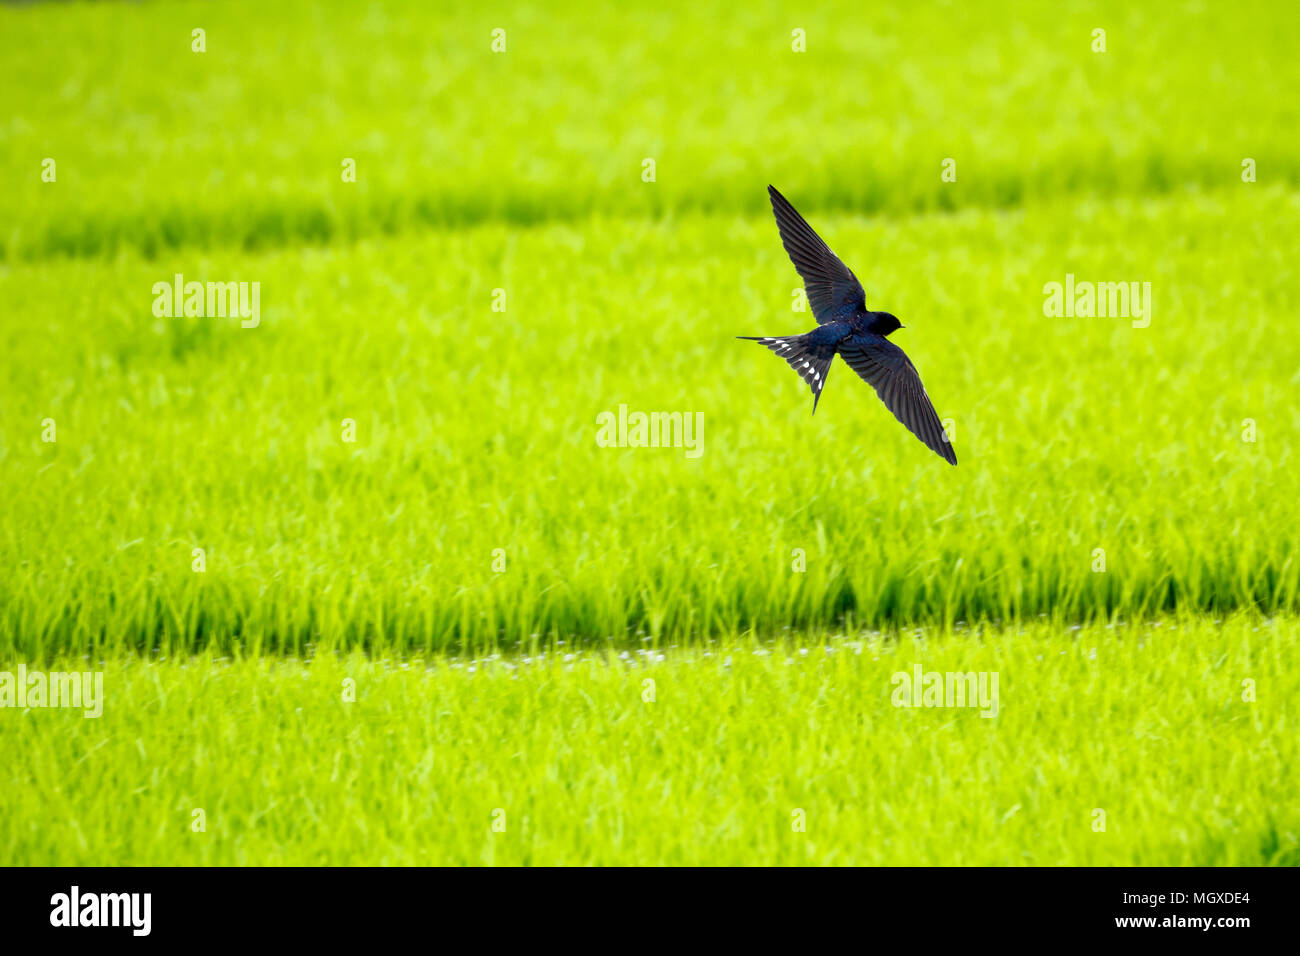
(884, 323)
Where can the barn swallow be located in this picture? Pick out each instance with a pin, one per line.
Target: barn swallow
(847, 327)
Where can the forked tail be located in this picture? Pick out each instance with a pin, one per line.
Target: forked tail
(811, 361)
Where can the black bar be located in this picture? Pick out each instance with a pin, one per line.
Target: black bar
(335, 906)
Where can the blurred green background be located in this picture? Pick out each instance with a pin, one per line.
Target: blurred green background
(495, 584)
(160, 147)
(522, 171)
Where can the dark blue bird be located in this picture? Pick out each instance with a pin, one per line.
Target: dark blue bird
(847, 327)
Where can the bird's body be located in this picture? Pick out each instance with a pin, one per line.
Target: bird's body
(847, 328)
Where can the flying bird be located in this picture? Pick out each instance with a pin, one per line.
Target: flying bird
(847, 327)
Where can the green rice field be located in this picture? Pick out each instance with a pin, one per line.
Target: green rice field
(366, 585)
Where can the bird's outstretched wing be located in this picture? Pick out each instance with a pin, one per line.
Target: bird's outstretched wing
(829, 283)
(888, 370)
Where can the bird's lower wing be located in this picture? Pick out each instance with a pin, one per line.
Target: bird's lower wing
(887, 369)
